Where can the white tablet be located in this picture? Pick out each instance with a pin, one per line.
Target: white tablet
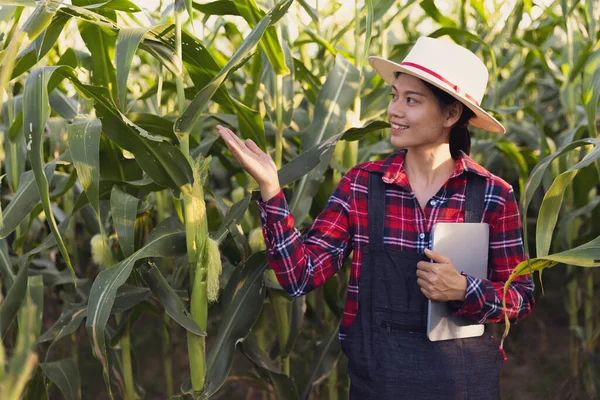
(466, 244)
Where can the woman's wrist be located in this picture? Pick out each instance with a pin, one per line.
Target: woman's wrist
(267, 192)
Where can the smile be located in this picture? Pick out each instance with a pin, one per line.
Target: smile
(401, 127)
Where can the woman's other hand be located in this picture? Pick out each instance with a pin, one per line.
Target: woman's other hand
(255, 161)
(439, 280)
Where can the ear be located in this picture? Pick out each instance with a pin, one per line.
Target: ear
(453, 113)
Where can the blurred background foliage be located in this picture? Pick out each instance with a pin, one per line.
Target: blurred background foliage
(121, 206)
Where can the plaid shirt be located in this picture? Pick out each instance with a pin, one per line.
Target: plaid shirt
(302, 265)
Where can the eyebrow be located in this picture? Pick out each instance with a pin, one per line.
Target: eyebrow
(408, 92)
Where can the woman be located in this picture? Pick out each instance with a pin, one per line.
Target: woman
(384, 212)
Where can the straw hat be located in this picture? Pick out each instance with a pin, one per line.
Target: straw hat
(451, 68)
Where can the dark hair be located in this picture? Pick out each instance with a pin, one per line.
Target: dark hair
(460, 138)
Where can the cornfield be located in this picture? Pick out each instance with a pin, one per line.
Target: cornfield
(123, 211)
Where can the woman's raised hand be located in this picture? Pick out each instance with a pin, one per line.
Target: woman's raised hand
(256, 162)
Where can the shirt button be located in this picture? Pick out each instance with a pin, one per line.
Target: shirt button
(433, 203)
(421, 236)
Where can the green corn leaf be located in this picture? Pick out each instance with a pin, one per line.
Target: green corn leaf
(189, 117)
(6, 268)
(39, 19)
(431, 9)
(219, 7)
(101, 46)
(511, 152)
(128, 41)
(22, 362)
(270, 42)
(24, 201)
(326, 356)
(550, 208)
(236, 322)
(537, 174)
(335, 98)
(591, 98)
(62, 105)
(36, 50)
(35, 290)
(162, 161)
(165, 240)
(36, 110)
(353, 134)
(65, 375)
(284, 385)
(13, 300)
(151, 122)
(115, 5)
(312, 13)
(369, 30)
(169, 298)
(84, 145)
(123, 208)
(67, 323)
(202, 68)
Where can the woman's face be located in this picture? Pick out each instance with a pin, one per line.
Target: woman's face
(416, 116)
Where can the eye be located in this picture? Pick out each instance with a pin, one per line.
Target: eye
(393, 95)
(411, 100)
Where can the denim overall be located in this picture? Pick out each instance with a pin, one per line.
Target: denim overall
(390, 356)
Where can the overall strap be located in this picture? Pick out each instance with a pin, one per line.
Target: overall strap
(376, 209)
(474, 197)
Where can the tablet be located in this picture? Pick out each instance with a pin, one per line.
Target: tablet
(466, 244)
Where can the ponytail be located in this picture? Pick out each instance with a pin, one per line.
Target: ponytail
(460, 138)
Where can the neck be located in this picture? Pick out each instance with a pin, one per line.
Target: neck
(429, 166)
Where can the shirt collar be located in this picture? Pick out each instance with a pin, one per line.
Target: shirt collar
(392, 168)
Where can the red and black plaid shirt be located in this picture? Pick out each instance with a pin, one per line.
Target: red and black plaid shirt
(302, 265)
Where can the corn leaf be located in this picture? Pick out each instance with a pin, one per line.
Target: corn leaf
(115, 5)
(84, 145)
(189, 117)
(219, 7)
(591, 97)
(24, 201)
(39, 20)
(202, 68)
(151, 122)
(237, 321)
(35, 290)
(283, 384)
(23, 360)
(162, 161)
(67, 323)
(164, 241)
(38, 49)
(123, 208)
(14, 299)
(101, 46)
(170, 300)
(537, 174)
(335, 98)
(36, 110)
(6, 269)
(65, 375)
(270, 42)
(549, 210)
(62, 105)
(128, 41)
(326, 357)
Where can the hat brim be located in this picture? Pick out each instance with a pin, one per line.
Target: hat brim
(387, 70)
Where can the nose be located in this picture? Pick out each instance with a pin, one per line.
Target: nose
(395, 109)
